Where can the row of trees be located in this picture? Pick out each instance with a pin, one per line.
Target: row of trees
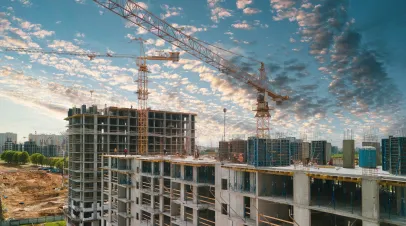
(16, 157)
(22, 157)
(39, 159)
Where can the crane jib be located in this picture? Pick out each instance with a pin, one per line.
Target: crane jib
(134, 13)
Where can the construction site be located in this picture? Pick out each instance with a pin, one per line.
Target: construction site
(141, 166)
(27, 192)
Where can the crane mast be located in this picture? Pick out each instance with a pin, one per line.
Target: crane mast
(134, 13)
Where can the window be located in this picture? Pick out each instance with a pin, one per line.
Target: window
(137, 200)
(137, 217)
(138, 169)
(224, 184)
(138, 185)
(224, 208)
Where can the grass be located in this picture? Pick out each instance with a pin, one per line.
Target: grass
(56, 223)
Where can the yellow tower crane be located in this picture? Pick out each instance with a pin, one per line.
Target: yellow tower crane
(134, 13)
(142, 80)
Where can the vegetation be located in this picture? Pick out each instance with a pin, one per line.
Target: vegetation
(39, 159)
(56, 223)
(16, 157)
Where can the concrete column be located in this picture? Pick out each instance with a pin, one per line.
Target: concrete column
(182, 171)
(195, 173)
(370, 201)
(195, 190)
(301, 197)
(195, 217)
(182, 192)
(400, 198)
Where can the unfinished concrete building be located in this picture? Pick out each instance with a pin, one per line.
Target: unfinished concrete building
(170, 190)
(93, 132)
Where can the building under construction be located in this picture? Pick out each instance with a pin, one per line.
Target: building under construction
(175, 190)
(112, 130)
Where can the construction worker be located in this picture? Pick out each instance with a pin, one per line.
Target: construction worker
(125, 152)
(115, 151)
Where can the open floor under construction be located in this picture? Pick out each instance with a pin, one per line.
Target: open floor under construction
(172, 190)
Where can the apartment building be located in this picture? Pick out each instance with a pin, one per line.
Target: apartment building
(173, 190)
(93, 132)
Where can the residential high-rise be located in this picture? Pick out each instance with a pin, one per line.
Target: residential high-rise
(51, 144)
(93, 132)
(7, 136)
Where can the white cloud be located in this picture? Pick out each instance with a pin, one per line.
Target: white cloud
(219, 13)
(43, 33)
(58, 22)
(242, 25)
(80, 1)
(80, 35)
(242, 3)
(160, 42)
(63, 45)
(292, 40)
(251, 11)
(170, 11)
(25, 2)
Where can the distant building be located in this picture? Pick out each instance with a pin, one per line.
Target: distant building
(5, 137)
(50, 144)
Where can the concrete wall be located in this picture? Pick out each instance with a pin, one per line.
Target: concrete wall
(348, 153)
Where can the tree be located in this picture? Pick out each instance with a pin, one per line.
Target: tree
(24, 157)
(34, 158)
(7, 156)
(59, 164)
(41, 159)
(53, 162)
(16, 157)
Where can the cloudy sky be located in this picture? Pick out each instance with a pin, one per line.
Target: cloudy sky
(341, 62)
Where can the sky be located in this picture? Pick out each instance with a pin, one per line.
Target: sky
(341, 62)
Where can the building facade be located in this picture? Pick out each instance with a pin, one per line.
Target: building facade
(169, 190)
(11, 137)
(93, 132)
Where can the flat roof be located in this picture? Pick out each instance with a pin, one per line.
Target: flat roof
(202, 160)
(328, 170)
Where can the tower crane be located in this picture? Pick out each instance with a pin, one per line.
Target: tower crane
(136, 14)
(142, 81)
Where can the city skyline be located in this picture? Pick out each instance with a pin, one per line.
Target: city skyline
(317, 68)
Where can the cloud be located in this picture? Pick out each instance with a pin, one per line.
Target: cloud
(251, 11)
(80, 35)
(242, 25)
(242, 3)
(43, 33)
(219, 13)
(80, 1)
(170, 11)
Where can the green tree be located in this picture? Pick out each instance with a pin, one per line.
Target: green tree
(7, 156)
(24, 157)
(41, 159)
(16, 157)
(34, 158)
(59, 164)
